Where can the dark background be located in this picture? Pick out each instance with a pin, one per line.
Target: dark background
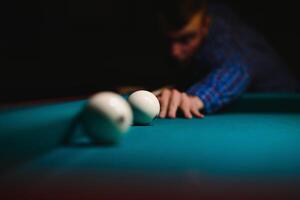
(60, 48)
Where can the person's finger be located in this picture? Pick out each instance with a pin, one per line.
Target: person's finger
(197, 102)
(157, 92)
(185, 106)
(197, 113)
(164, 102)
(174, 103)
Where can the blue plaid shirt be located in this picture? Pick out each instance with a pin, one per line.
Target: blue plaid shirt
(239, 59)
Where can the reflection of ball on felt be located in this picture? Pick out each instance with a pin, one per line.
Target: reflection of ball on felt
(106, 117)
(145, 106)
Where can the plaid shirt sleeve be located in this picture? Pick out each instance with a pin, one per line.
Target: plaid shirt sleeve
(221, 86)
(228, 56)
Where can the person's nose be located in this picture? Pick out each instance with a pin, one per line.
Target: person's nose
(176, 50)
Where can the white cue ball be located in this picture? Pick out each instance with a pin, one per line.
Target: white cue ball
(145, 107)
(106, 117)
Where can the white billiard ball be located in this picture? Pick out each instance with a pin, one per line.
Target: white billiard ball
(106, 117)
(145, 107)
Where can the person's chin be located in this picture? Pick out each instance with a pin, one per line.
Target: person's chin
(185, 61)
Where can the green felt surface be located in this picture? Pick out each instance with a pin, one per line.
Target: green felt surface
(32, 131)
(224, 145)
(257, 127)
(255, 140)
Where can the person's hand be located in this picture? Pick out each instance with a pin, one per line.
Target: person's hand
(171, 100)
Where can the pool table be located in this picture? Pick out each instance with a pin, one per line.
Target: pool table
(249, 150)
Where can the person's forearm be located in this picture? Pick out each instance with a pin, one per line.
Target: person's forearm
(220, 88)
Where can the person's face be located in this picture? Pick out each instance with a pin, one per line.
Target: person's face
(184, 43)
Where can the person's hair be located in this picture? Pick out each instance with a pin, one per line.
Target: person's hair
(174, 14)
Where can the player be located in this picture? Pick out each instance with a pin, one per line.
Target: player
(217, 57)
